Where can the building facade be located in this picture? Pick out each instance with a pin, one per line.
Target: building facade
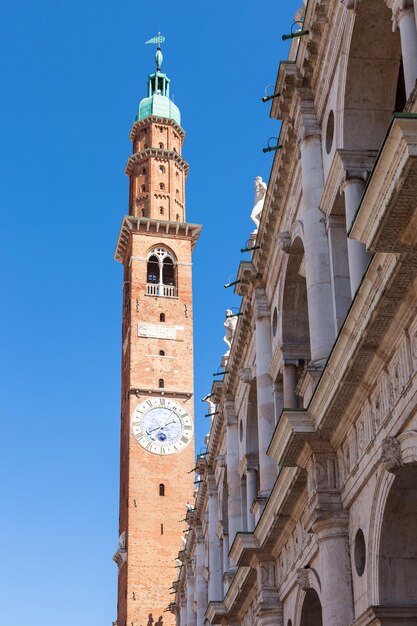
(306, 509)
(157, 445)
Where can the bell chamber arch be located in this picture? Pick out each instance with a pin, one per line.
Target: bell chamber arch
(161, 273)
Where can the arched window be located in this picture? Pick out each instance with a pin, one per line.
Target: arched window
(161, 186)
(143, 172)
(168, 277)
(142, 188)
(153, 269)
(161, 383)
(161, 489)
(177, 217)
(161, 353)
(177, 174)
(177, 193)
(161, 210)
(161, 145)
(161, 273)
(162, 317)
(162, 169)
(143, 212)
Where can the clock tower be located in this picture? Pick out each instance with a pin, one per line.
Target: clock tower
(157, 420)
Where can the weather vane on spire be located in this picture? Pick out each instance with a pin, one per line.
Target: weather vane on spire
(158, 56)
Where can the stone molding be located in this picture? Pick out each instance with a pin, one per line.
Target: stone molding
(386, 219)
(380, 615)
(295, 428)
(346, 164)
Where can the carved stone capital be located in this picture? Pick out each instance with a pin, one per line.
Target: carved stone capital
(229, 410)
(221, 460)
(399, 8)
(391, 454)
(303, 578)
(351, 4)
(247, 374)
(261, 308)
(309, 126)
(199, 535)
(211, 484)
(284, 241)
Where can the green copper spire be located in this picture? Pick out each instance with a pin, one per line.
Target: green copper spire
(158, 102)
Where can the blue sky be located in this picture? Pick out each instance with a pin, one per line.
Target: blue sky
(72, 76)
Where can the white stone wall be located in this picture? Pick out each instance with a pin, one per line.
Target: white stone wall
(311, 461)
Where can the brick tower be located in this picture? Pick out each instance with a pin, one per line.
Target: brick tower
(157, 443)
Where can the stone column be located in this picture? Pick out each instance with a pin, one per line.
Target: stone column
(233, 480)
(265, 398)
(200, 583)
(335, 569)
(251, 493)
(214, 586)
(358, 256)
(191, 621)
(316, 247)
(289, 376)
(183, 610)
(278, 399)
(244, 500)
(339, 267)
(405, 18)
(226, 565)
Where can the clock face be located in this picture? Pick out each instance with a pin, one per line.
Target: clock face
(162, 426)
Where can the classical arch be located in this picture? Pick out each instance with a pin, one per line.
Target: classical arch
(372, 84)
(397, 563)
(295, 325)
(311, 614)
(393, 524)
(251, 434)
(161, 274)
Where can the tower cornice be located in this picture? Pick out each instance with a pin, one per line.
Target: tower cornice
(130, 224)
(154, 119)
(160, 153)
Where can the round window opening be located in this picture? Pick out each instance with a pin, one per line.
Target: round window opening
(274, 322)
(241, 432)
(360, 552)
(329, 132)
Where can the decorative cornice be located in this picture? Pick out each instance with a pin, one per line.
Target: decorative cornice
(131, 225)
(294, 429)
(168, 155)
(154, 119)
(147, 391)
(386, 219)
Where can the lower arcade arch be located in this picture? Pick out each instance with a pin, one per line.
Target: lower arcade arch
(397, 565)
(311, 614)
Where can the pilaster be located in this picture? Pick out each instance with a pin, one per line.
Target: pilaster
(265, 398)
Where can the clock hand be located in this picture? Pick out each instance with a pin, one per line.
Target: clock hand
(151, 430)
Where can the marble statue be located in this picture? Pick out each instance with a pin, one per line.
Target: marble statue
(260, 191)
(230, 325)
